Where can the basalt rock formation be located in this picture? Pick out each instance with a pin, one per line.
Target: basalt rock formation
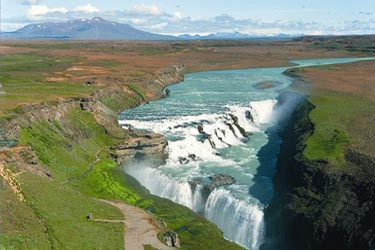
(171, 239)
(212, 182)
(145, 147)
(318, 206)
(137, 145)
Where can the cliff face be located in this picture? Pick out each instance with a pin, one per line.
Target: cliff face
(316, 206)
(104, 105)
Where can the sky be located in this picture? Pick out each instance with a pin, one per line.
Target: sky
(258, 17)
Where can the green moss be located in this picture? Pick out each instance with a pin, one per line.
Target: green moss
(118, 101)
(154, 51)
(67, 152)
(109, 64)
(30, 66)
(149, 247)
(334, 119)
(68, 147)
(63, 211)
(23, 77)
(137, 90)
(20, 228)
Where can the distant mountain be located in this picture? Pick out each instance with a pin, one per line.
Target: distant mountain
(83, 29)
(101, 29)
(234, 36)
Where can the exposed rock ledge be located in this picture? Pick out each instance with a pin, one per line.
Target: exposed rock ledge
(317, 206)
(143, 146)
(140, 145)
(212, 182)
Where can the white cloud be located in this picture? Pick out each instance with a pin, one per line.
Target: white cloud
(30, 2)
(88, 8)
(178, 14)
(151, 18)
(39, 11)
(147, 9)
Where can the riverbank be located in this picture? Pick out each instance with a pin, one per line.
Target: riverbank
(60, 104)
(325, 181)
(64, 136)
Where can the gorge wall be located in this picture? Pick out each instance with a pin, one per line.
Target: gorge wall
(315, 205)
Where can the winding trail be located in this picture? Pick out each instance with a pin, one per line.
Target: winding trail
(139, 227)
(89, 169)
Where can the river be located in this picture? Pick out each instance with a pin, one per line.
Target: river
(221, 122)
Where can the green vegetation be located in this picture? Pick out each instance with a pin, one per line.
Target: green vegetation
(64, 212)
(54, 217)
(154, 51)
(136, 90)
(23, 79)
(56, 45)
(31, 67)
(117, 101)
(334, 118)
(69, 146)
(20, 228)
(106, 63)
(353, 44)
(149, 247)
(31, 92)
(72, 149)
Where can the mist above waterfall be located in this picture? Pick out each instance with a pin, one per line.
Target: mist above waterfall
(220, 124)
(202, 145)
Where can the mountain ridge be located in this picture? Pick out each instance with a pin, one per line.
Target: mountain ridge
(96, 28)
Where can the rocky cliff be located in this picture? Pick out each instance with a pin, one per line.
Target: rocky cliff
(315, 205)
(104, 104)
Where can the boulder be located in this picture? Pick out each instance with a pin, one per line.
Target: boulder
(171, 239)
(142, 146)
(218, 180)
(235, 123)
(205, 136)
(86, 104)
(200, 129)
(249, 116)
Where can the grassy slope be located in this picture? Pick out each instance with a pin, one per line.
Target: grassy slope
(334, 117)
(54, 217)
(70, 157)
(56, 211)
(340, 118)
(20, 228)
(23, 78)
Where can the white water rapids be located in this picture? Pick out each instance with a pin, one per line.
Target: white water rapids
(219, 122)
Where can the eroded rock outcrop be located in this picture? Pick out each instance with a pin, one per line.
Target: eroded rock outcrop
(144, 147)
(23, 158)
(205, 136)
(139, 146)
(212, 182)
(171, 239)
(235, 123)
(318, 206)
(218, 180)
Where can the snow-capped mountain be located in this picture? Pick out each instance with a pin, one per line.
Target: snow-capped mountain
(83, 29)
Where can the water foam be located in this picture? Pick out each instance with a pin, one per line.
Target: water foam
(240, 220)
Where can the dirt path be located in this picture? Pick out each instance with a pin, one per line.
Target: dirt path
(89, 169)
(10, 179)
(139, 228)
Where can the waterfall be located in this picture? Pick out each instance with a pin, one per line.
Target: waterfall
(190, 148)
(240, 221)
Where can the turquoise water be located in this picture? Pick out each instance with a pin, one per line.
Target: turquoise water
(220, 102)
